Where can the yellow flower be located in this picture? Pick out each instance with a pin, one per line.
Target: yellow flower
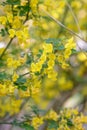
(51, 63)
(35, 88)
(65, 84)
(67, 53)
(35, 91)
(33, 5)
(48, 48)
(43, 58)
(52, 115)
(60, 58)
(16, 63)
(24, 94)
(23, 2)
(25, 32)
(36, 67)
(82, 57)
(15, 77)
(15, 105)
(33, 67)
(3, 89)
(52, 74)
(19, 34)
(22, 35)
(75, 111)
(9, 17)
(76, 4)
(11, 33)
(16, 23)
(37, 121)
(84, 119)
(3, 20)
(9, 61)
(51, 56)
(13, 63)
(65, 65)
(62, 4)
(70, 44)
(11, 89)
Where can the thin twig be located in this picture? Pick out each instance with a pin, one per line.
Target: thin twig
(6, 48)
(58, 102)
(6, 123)
(27, 15)
(27, 73)
(74, 16)
(14, 37)
(62, 25)
(63, 19)
(77, 23)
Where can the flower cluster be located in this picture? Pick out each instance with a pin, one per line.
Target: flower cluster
(67, 119)
(39, 63)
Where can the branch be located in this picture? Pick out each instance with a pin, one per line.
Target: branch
(27, 73)
(6, 48)
(63, 19)
(58, 102)
(6, 123)
(62, 25)
(27, 15)
(83, 105)
(74, 16)
(14, 37)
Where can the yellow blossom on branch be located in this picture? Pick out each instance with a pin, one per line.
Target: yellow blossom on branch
(11, 33)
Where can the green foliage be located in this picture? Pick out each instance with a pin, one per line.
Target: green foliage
(54, 41)
(3, 76)
(3, 32)
(37, 63)
(13, 2)
(27, 126)
(57, 43)
(21, 83)
(52, 124)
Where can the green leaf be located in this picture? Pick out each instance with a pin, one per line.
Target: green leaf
(39, 53)
(52, 124)
(1, 63)
(23, 10)
(53, 40)
(27, 127)
(74, 51)
(57, 43)
(29, 59)
(44, 65)
(21, 80)
(69, 122)
(22, 125)
(20, 83)
(2, 32)
(13, 2)
(61, 47)
(35, 109)
(24, 88)
(37, 73)
(3, 76)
